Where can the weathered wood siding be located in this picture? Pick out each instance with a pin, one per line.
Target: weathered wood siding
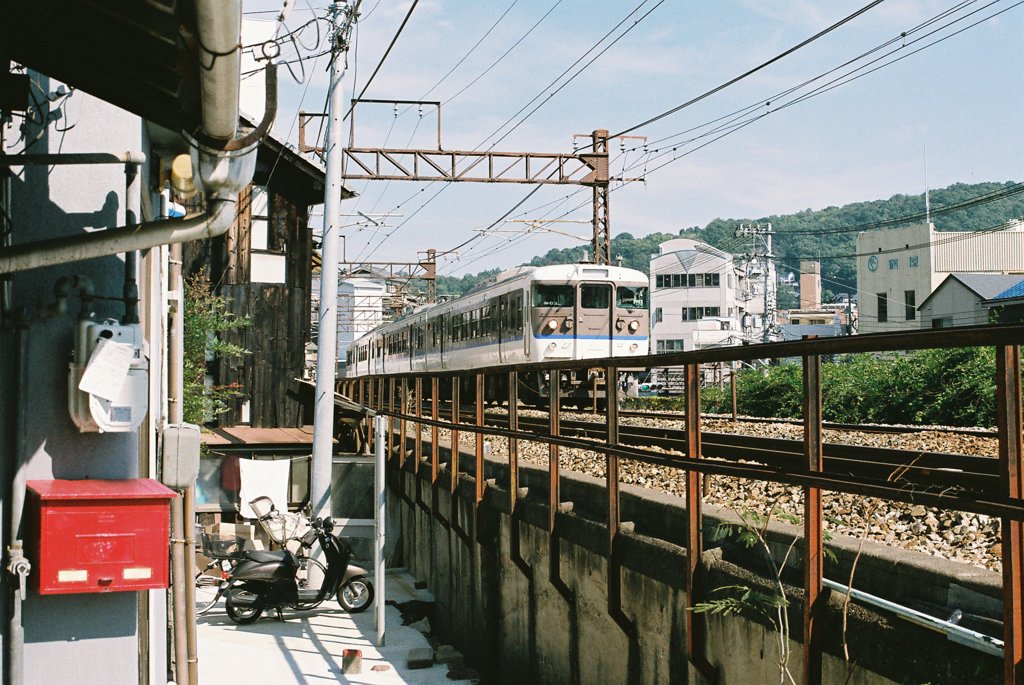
(275, 340)
(278, 314)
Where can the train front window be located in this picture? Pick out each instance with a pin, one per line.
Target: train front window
(595, 296)
(545, 295)
(631, 296)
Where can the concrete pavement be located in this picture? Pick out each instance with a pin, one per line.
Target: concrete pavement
(307, 647)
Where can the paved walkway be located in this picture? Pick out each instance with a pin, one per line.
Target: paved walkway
(307, 646)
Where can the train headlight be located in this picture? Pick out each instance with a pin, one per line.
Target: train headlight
(619, 324)
(633, 326)
(553, 325)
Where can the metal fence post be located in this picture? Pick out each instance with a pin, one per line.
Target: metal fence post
(1011, 462)
(813, 558)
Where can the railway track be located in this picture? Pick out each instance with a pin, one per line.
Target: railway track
(828, 425)
(920, 471)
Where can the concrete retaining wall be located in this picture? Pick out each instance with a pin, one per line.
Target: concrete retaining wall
(525, 618)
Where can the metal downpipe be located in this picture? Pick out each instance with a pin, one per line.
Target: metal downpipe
(18, 566)
(215, 221)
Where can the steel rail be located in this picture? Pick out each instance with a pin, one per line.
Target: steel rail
(827, 425)
(991, 505)
(967, 336)
(916, 467)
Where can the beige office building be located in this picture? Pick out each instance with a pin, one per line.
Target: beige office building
(897, 269)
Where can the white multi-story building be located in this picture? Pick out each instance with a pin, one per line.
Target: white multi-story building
(360, 310)
(897, 269)
(693, 297)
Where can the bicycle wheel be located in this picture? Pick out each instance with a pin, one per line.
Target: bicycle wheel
(207, 592)
(307, 567)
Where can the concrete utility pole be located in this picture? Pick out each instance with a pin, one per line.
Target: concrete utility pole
(342, 17)
(762, 236)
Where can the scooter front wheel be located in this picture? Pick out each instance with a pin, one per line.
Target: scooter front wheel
(356, 595)
(243, 607)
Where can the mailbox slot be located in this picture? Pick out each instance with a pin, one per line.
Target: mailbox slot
(97, 535)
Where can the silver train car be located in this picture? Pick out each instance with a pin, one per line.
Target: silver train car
(530, 314)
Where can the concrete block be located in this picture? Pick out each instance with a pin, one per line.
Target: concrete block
(447, 654)
(351, 661)
(421, 657)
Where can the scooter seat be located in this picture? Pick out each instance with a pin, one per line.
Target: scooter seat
(263, 556)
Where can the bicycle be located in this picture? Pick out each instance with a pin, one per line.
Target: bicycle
(224, 552)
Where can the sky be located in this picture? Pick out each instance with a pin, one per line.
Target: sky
(939, 114)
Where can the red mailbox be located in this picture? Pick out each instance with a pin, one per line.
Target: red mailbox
(97, 535)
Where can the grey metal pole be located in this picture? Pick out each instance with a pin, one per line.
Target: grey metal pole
(327, 345)
(378, 556)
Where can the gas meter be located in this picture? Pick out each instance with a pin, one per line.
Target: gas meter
(108, 380)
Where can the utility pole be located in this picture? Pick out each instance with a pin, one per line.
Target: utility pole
(342, 17)
(762, 252)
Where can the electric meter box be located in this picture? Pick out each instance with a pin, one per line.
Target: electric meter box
(116, 377)
(97, 535)
(180, 455)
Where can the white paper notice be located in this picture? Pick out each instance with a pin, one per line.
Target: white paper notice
(107, 369)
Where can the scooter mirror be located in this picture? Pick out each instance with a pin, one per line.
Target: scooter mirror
(328, 524)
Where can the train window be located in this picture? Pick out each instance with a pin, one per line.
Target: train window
(631, 296)
(474, 324)
(595, 296)
(545, 295)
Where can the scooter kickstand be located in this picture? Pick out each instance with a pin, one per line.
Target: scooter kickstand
(280, 614)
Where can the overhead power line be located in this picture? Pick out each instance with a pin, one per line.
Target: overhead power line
(385, 55)
(756, 69)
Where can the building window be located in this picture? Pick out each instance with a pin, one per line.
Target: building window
(670, 346)
(894, 263)
(910, 308)
(914, 261)
(657, 315)
(712, 280)
(883, 308)
(698, 313)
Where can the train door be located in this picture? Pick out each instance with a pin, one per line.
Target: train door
(442, 339)
(594, 320)
(504, 329)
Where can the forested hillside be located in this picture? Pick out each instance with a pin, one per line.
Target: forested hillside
(827, 234)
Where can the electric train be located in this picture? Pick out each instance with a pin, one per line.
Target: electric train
(530, 314)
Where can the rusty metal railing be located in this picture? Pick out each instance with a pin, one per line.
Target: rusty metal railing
(1005, 501)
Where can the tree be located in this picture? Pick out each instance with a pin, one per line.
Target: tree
(206, 317)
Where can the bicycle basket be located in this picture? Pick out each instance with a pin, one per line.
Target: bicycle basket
(222, 546)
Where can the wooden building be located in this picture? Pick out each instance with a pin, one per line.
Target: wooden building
(263, 265)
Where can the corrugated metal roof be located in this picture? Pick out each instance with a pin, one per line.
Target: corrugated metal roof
(988, 286)
(1013, 291)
